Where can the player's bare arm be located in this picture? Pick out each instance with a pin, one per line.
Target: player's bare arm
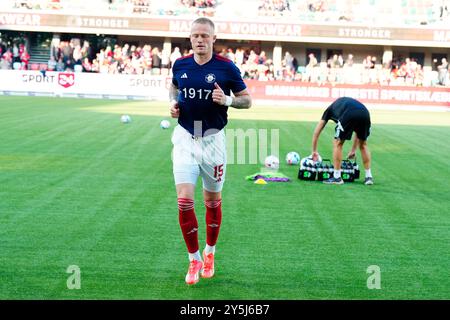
(241, 100)
(173, 94)
(315, 138)
(352, 152)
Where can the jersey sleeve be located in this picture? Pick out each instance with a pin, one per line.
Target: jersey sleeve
(327, 114)
(236, 82)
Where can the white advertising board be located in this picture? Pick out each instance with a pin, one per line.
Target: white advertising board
(84, 84)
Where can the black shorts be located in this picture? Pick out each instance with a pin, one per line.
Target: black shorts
(353, 120)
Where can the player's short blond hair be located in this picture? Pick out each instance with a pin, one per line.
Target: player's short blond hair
(203, 20)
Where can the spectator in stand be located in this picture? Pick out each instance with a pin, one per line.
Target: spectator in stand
(223, 52)
(136, 63)
(87, 66)
(403, 70)
(86, 50)
(176, 54)
(113, 67)
(419, 76)
(316, 6)
(51, 64)
(60, 66)
(165, 59)
(289, 63)
(340, 61)
(4, 65)
(77, 55)
(367, 63)
(25, 58)
(117, 52)
(333, 62)
(312, 62)
(373, 62)
(310, 68)
(262, 58)
(100, 56)
(410, 68)
(8, 58)
(67, 52)
(69, 65)
(126, 50)
(156, 61)
(239, 56)
(147, 59)
(253, 58)
(95, 67)
(443, 72)
(349, 62)
(185, 52)
(16, 53)
(108, 52)
(230, 55)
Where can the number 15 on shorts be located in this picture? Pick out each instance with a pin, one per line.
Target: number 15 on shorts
(218, 172)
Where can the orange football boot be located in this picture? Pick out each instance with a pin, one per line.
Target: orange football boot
(208, 265)
(194, 269)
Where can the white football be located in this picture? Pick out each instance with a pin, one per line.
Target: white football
(272, 162)
(293, 158)
(165, 124)
(125, 118)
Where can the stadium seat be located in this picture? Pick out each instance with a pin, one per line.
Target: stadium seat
(17, 65)
(43, 67)
(34, 67)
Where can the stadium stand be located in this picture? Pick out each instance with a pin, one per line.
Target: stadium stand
(401, 12)
(254, 65)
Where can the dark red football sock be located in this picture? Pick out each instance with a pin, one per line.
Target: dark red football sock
(213, 220)
(188, 223)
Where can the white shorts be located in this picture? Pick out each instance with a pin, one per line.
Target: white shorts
(199, 156)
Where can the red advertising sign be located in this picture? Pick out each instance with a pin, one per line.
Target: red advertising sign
(66, 80)
(305, 91)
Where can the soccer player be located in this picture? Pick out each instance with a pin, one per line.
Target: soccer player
(350, 115)
(200, 95)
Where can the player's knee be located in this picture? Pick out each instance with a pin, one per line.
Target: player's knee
(185, 190)
(211, 196)
(339, 143)
(363, 145)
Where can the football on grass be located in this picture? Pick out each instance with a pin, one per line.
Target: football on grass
(272, 162)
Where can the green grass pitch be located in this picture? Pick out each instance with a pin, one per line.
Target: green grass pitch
(77, 187)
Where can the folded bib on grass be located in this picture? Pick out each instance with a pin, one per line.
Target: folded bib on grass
(269, 176)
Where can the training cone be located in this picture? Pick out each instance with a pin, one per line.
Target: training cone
(260, 181)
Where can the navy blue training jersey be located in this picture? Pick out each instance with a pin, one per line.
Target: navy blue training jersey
(196, 83)
(342, 106)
